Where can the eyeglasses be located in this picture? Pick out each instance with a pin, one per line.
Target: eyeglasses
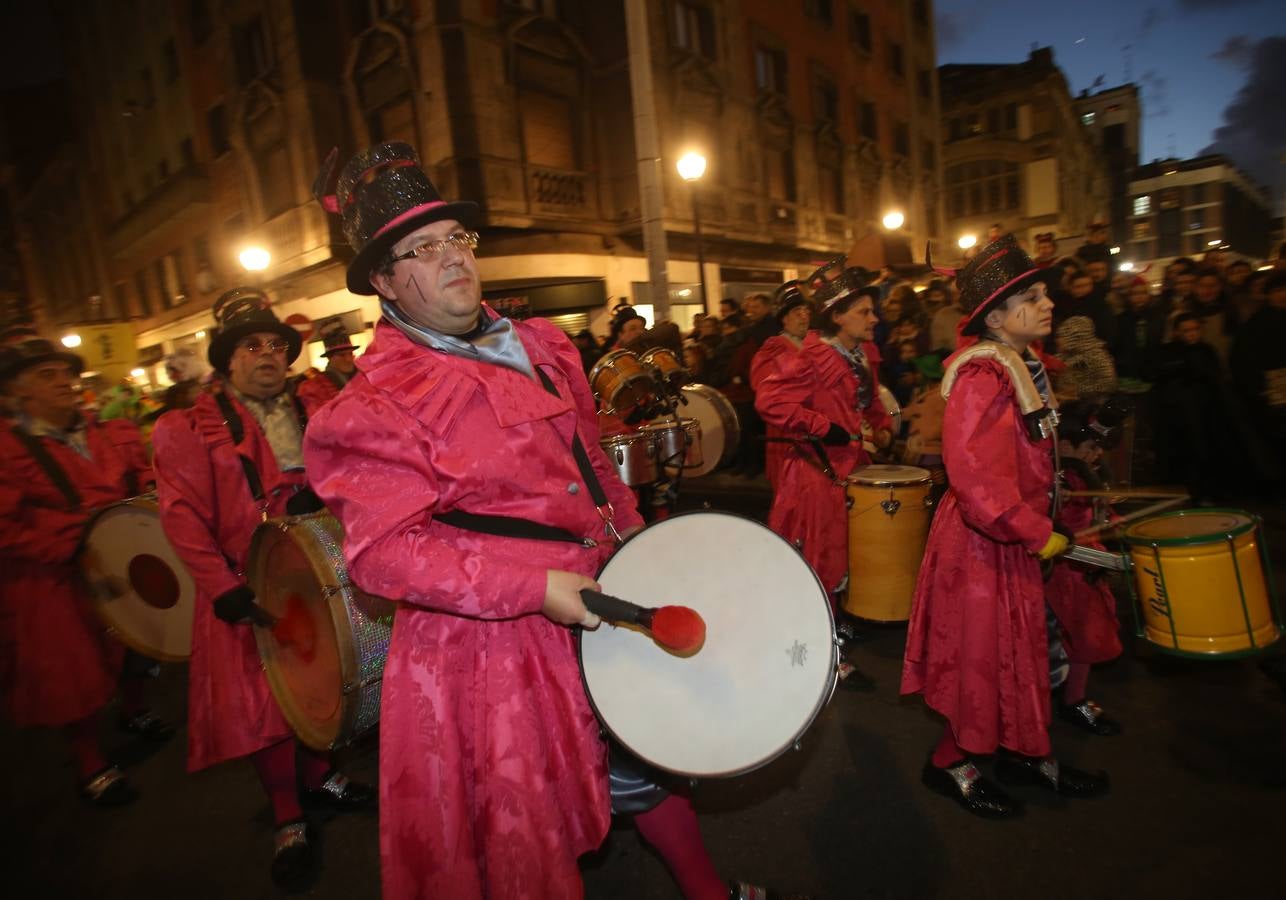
(254, 345)
(461, 241)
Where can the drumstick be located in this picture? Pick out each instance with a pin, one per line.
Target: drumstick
(676, 628)
(1174, 500)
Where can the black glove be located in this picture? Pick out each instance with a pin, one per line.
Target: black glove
(837, 436)
(235, 606)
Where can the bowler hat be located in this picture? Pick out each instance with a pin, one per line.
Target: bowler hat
(334, 338)
(244, 311)
(383, 195)
(33, 351)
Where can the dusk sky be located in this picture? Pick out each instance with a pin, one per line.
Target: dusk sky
(1191, 58)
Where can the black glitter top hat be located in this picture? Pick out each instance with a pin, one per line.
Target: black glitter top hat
(243, 311)
(334, 337)
(997, 271)
(382, 196)
(33, 351)
(787, 297)
(834, 282)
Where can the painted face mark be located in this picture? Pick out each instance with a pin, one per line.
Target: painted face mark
(1022, 314)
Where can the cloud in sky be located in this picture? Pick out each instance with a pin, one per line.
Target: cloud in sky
(1237, 51)
(1253, 132)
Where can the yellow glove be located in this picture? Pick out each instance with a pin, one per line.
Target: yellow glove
(1056, 546)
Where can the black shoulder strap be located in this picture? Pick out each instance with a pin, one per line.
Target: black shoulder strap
(238, 432)
(578, 450)
(50, 467)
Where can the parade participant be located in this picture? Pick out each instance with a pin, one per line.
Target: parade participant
(57, 466)
(824, 396)
(794, 315)
(463, 462)
(1080, 595)
(977, 648)
(225, 465)
(317, 389)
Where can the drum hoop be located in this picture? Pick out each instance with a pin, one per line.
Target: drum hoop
(727, 414)
(304, 727)
(607, 360)
(862, 482)
(827, 693)
(147, 501)
(1210, 537)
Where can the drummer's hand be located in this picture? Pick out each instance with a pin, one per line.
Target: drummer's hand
(883, 438)
(235, 606)
(563, 604)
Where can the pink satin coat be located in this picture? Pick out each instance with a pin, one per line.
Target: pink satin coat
(209, 515)
(766, 362)
(315, 392)
(802, 396)
(976, 645)
(493, 777)
(57, 664)
(1085, 609)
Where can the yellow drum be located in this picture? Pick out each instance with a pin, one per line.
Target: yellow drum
(888, 523)
(1202, 583)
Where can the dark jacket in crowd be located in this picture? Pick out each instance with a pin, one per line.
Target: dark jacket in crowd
(1139, 337)
(1094, 305)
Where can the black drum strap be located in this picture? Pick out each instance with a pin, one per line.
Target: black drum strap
(50, 467)
(238, 432)
(511, 526)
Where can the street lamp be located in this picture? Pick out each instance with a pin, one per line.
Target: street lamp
(691, 167)
(966, 241)
(71, 341)
(255, 259)
(893, 219)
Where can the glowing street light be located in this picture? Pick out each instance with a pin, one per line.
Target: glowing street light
(1215, 243)
(893, 219)
(691, 167)
(199, 335)
(967, 241)
(71, 341)
(255, 259)
(1114, 251)
(137, 373)
(1127, 266)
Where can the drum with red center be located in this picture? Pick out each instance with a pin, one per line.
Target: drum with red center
(138, 584)
(324, 657)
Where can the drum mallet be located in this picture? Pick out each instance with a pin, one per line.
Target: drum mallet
(676, 628)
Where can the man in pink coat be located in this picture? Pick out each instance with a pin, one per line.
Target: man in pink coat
(794, 315)
(977, 647)
(450, 459)
(58, 667)
(224, 466)
(316, 389)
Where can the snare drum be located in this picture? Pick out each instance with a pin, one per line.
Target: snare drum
(139, 586)
(1202, 585)
(888, 525)
(325, 656)
(768, 665)
(621, 383)
(667, 364)
(678, 444)
(720, 430)
(633, 455)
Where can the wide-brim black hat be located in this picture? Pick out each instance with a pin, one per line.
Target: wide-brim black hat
(382, 196)
(34, 351)
(334, 338)
(835, 282)
(244, 311)
(997, 271)
(789, 297)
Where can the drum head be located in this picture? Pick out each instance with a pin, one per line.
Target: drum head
(889, 476)
(1190, 526)
(720, 430)
(768, 664)
(140, 587)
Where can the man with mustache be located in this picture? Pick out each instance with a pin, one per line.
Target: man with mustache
(977, 648)
(229, 462)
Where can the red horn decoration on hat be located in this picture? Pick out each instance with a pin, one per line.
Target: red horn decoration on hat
(329, 202)
(928, 261)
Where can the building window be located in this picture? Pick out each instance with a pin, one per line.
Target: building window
(901, 139)
(868, 121)
(831, 184)
(170, 57)
(186, 152)
(1141, 231)
(859, 29)
(201, 23)
(825, 99)
(927, 155)
(384, 90)
(897, 65)
(993, 120)
(1196, 224)
(252, 50)
(955, 129)
(147, 92)
(1011, 117)
(1088, 118)
(693, 28)
(1197, 193)
(266, 136)
(924, 81)
(988, 186)
(549, 130)
(143, 288)
(1143, 205)
(819, 10)
(162, 170)
(770, 69)
(170, 270)
(780, 173)
(920, 12)
(218, 124)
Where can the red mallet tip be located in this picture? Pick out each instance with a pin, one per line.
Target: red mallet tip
(679, 629)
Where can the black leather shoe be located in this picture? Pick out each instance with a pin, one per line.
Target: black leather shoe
(294, 862)
(851, 678)
(338, 793)
(1051, 775)
(109, 787)
(147, 725)
(966, 785)
(742, 890)
(1088, 716)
